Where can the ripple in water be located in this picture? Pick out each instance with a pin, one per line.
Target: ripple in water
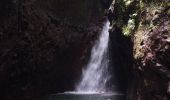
(86, 96)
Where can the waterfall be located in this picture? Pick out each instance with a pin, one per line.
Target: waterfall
(95, 77)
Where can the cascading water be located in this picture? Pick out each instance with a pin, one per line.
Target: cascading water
(96, 75)
(93, 85)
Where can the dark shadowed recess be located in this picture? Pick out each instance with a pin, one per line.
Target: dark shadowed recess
(121, 56)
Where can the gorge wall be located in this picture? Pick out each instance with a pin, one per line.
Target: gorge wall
(145, 23)
(44, 44)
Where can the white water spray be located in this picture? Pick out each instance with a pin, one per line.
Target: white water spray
(96, 76)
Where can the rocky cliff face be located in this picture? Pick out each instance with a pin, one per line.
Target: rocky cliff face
(146, 23)
(152, 52)
(43, 45)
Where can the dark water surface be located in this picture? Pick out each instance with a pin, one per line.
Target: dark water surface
(99, 96)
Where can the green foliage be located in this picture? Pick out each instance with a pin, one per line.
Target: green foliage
(127, 29)
(128, 2)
